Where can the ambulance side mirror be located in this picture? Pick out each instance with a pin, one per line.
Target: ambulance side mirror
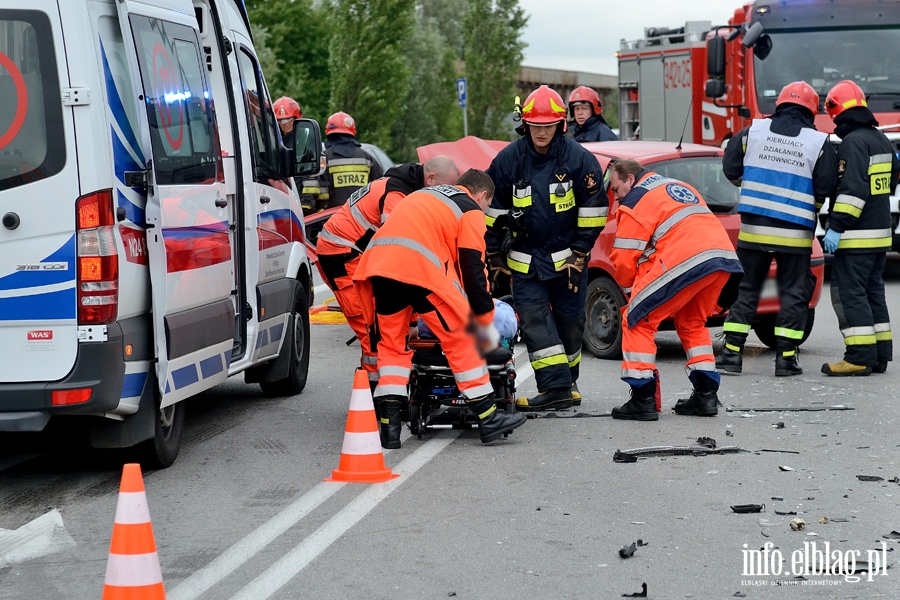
(715, 57)
(715, 88)
(307, 147)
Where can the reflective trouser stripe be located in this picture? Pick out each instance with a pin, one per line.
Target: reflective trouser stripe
(732, 347)
(698, 351)
(776, 236)
(559, 359)
(471, 374)
(637, 373)
(866, 239)
(641, 357)
(883, 332)
(791, 334)
(736, 328)
(574, 359)
(701, 366)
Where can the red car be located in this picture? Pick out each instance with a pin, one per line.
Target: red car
(700, 166)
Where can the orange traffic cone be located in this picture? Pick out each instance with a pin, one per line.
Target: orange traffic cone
(133, 571)
(362, 460)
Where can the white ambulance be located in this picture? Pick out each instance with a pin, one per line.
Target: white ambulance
(151, 237)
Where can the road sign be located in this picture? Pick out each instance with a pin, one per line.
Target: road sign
(461, 92)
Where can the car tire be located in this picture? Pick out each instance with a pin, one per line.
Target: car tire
(298, 371)
(160, 451)
(764, 327)
(603, 318)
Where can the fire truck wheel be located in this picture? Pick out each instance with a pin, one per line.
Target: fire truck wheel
(603, 323)
(298, 348)
(162, 449)
(764, 327)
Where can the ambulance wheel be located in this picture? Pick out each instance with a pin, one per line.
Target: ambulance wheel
(764, 327)
(603, 323)
(298, 370)
(162, 449)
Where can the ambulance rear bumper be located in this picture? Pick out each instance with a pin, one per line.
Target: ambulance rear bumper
(99, 366)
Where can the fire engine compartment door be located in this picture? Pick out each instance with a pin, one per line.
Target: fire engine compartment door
(188, 223)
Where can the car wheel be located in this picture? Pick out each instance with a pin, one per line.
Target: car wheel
(162, 449)
(764, 327)
(603, 323)
(299, 349)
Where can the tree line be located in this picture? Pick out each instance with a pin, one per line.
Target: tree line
(393, 64)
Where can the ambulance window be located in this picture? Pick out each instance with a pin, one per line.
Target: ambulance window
(261, 120)
(179, 103)
(32, 141)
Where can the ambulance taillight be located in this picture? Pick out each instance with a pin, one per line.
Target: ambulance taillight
(98, 262)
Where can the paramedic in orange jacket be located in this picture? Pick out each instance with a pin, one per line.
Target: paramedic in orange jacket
(349, 230)
(428, 258)
(673, 258)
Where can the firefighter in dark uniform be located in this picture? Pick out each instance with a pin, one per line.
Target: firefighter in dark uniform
(349, 167)
(785, 169)
(287, 111)
(859, 233)
(547, 211)
(586, 110)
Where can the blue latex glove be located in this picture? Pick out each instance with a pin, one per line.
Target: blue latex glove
(830, 242)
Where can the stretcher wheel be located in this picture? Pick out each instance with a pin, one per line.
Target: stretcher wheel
(415, 424)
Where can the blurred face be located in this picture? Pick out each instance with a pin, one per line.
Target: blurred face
(286, 125)
(582, 113)
(541, 136)
(620, 187)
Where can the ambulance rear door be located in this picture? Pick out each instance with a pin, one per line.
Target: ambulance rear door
(188, 219)
(39, 189)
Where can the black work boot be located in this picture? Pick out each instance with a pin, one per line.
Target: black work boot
(493, 422)
(880, 367)
(641, 406)
(389, 422)
(730, 361)
(552, 399)
(787, 363)
(576, 395)
(704, 401)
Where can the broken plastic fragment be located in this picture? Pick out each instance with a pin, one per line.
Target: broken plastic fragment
(894, 535)
(748, 508)
(869, 478)
(779, 425)
(628, 551)
(823, 520)
(641, 594)
(798, 524)
(708, 442)
(785, 468)
(785, 512)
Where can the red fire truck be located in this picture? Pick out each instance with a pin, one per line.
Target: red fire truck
(703, 83)
(710, 81)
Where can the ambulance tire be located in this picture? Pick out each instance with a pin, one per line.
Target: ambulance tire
(298, 370)
(764, 327)
(603, 323)
(161, 450)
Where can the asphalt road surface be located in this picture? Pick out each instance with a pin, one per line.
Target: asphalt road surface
(244, 513)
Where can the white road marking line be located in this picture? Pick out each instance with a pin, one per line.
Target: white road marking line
(40, 537)
(288, 566)
(227, 562)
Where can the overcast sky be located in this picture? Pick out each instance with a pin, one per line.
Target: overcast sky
(594, 27)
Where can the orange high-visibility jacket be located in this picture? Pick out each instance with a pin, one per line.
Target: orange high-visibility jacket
(356, 221)
(666, 239)
(420, 245)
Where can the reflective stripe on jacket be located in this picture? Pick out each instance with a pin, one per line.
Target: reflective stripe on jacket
(666, 239)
